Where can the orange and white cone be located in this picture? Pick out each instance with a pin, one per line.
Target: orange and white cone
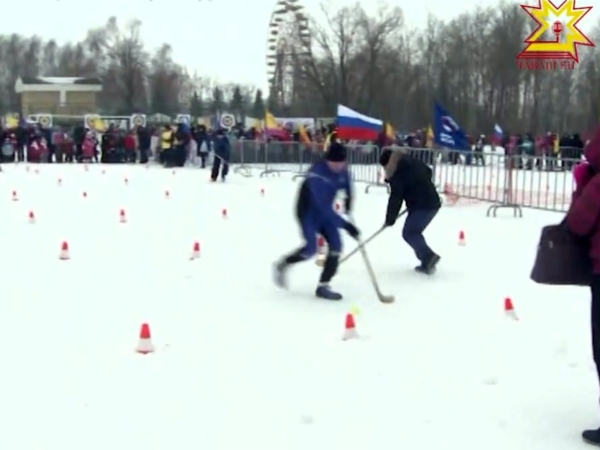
(145, 345)
(64, 252)
(509, 309)
(350, 328)
(195, 251)
(321, 251)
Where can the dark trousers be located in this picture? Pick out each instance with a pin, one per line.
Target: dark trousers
(416, 223)
(203, 156)
(595, 319)
(214, 174)
(144, 155)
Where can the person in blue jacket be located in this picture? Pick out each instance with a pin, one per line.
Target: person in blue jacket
(316, 215)
(222, 154)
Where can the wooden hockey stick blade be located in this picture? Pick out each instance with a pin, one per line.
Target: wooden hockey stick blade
(386, 298)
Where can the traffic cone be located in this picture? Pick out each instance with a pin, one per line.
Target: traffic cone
(195, 251)
(122, 216)
(509, 309)
(64, 251)
(167, 194)
(350, 328)
(15, 197)
(31, 217)
(321, 251)
(145, 342)
(461, 238)
(224, 213)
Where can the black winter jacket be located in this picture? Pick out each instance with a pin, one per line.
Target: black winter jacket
(410, 181)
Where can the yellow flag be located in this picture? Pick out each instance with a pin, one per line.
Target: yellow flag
(390, 132)
(99, 125)
(327, 142)
(270, 122)
(11, 120)
(303, 135)
(429, 137)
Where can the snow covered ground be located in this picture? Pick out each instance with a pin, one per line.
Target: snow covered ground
(242, 365)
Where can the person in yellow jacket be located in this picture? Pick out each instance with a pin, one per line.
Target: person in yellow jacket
(166, 144)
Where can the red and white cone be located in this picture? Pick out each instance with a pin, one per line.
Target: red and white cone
(122, 216)
(350, 328)
(224, 213)
(145, 345)
(461, 239)
(321, 251)
(64, 252)
(14, 196)
(509, 309)
(31, 217)
(195, 251)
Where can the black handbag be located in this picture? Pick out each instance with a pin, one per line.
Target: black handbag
(562, 258)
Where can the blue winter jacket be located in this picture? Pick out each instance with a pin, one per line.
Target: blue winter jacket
(318, 193)
(222, 147)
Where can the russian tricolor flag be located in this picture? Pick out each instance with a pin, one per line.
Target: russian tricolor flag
(353, 125)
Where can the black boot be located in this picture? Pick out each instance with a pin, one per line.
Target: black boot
(591, 437)
(281, 267)
(429, 264)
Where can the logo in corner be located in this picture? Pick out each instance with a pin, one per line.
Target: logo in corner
(554, 43)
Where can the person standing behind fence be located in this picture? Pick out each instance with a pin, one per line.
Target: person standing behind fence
(583, 219)
(222, 156)
(410, 181)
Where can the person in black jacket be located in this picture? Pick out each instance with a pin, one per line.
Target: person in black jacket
(410, 181)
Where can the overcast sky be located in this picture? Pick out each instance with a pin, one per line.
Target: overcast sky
(223, 39)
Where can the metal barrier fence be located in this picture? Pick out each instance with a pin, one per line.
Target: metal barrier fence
(516, 181)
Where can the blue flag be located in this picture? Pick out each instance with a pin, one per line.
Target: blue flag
(446, 132)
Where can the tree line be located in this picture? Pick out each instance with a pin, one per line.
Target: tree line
(380, 64)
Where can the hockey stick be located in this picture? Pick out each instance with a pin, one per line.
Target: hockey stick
(382, 298)
(369, 239)
(234, 170)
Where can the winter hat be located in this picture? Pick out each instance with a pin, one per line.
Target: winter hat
(336, 152)
(385, 156)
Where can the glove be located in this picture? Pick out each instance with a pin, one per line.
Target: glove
(352, 230)
(390, 221)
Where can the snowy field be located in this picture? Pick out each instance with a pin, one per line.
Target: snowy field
(242, 365)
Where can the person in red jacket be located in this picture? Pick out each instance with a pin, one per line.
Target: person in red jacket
(130, 147)
(583, 219)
